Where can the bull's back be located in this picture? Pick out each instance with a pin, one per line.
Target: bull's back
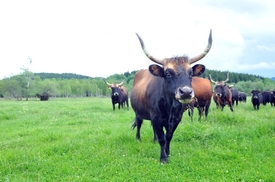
(124, 91)
(235, 93)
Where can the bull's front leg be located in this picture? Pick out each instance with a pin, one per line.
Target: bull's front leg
(173, 122)
(158, 129)
(169, 135)
(231, 106)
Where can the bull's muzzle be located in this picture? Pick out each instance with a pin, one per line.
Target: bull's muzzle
(184, 94)
(218, 94)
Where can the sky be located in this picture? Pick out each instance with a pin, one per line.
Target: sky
(97, 38)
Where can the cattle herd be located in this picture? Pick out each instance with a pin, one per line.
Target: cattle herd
(258, 98)
(164, 91)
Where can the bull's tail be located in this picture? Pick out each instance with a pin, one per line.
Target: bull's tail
(134, 125)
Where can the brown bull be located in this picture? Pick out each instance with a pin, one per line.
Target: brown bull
(203, 95)
(119, 95)
(222, 95)
(160, 92)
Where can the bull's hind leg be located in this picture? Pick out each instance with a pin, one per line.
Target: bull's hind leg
(155, 135)
(137, 123)
(200, 109)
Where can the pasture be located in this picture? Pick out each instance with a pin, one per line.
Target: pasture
(83, 139)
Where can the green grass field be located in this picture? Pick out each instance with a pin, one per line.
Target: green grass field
(82, 139)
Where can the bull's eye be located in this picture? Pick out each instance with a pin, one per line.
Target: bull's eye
(168, 75)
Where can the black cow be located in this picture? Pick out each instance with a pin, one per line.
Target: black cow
(266, 97)
(44, 96)
(242, 97)
(256, 99)
(119, 95)
(272, 98)
(222, 95)
(235, 95)
(160, 92)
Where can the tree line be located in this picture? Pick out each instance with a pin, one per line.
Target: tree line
(28, 84)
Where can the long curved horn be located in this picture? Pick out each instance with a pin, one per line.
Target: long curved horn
(227, 79)
(108, 83)
(212, 80)
(120, 84)
(152, 58)
(207, 49)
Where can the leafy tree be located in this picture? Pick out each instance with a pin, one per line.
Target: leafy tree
(72, 85)
(13, 87)
(27, 77)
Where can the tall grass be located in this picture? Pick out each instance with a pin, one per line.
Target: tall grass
(84, 140)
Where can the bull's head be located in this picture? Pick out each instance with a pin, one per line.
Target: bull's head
(219, 86)
(114, 88)
(255, 94)
(177, 72)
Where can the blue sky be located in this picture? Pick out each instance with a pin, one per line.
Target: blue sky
(97, 38)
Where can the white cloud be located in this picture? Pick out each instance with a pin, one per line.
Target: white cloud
(268, 48)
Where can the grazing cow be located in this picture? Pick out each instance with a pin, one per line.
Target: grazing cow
(44, 96)
(256, 99)
(266, 97)
(119, 95)
(160, 92)
(242, 97)
(235, 95)
(222, 94)
(272, 98)
(203, 95)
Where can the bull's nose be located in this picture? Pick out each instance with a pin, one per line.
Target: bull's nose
(185, 91)
(218, 95)
(184, 94)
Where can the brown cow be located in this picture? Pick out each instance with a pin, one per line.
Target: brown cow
(203, 95)
(119, 95)
(222, 94)
(160, 92)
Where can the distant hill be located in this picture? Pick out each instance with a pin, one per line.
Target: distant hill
(216, 75)
(234, 77)
(273, 78)
(61, 76)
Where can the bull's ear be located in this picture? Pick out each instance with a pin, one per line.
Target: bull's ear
(198, 69)
(156, 70)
